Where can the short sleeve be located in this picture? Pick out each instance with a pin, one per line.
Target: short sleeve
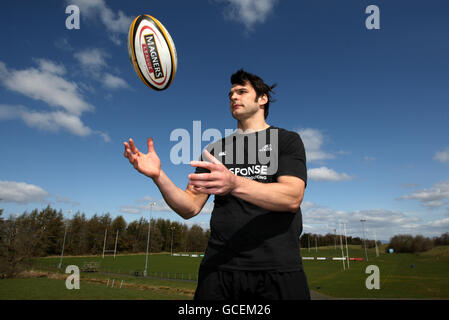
(292, 156)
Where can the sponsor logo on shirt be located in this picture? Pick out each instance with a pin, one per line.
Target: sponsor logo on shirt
(266, 147)
(250, 170)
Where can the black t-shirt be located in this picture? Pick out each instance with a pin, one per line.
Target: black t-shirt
(244, 236)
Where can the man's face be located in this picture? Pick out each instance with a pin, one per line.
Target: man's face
(243, 101)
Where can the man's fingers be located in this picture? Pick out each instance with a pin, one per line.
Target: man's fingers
(207, 190)
(199, 189)
(127, 150)
(203, 164)
(128, 153)
(201, 184)
(211, 157)
(200, 176)
(204, 183)
(150, 143)
(133, 146)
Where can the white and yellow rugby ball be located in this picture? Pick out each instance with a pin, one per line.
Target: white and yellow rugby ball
(152, 52)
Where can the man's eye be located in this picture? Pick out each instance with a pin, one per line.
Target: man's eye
(239, 92)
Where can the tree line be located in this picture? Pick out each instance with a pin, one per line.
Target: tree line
(41, 233)
(405, 243)
(312, 240)
(402, 243)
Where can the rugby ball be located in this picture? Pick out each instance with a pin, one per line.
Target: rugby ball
(152, 52)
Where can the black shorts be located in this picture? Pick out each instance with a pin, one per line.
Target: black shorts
(216, 284)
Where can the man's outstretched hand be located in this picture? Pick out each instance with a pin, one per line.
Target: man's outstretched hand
(148, 164)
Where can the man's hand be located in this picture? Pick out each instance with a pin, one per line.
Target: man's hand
(219, 181)
(149, 164)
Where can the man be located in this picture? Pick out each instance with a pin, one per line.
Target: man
(253, 250)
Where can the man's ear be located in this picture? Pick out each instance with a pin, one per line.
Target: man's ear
(263, 100)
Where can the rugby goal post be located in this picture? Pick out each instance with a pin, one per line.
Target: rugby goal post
(104, 244)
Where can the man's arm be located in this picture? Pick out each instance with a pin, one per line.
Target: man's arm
(186, 203)
(284, 195)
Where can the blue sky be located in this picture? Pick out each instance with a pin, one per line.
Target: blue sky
(370, 105)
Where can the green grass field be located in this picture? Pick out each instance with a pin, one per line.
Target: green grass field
(128, 264)
(402, 276)
(54, 289)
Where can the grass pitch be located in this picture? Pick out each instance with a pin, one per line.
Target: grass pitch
(402, 276)
(54, 289)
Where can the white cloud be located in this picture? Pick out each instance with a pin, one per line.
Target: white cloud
(434, 204)
(66, 200)
(380, 223)
(63, 44)
(91, 58)
(433, 197)
(443, 223)
(442, 156)
(50, 67)
(313, 140)
(93, 62)
(249, 12)
(143, 205)
(326, 174)
(46, 84)
(208, 207)
(49, 121)
(114, 22)
(434, 227)
(104, 135)
(114, 82)
(52, 121)
(130, 209)
(21, 192)
(307, 205)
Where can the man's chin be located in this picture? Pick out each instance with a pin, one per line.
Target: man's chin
(235, 115)
(238, 116)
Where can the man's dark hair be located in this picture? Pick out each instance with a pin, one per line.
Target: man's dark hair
(261, 88)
